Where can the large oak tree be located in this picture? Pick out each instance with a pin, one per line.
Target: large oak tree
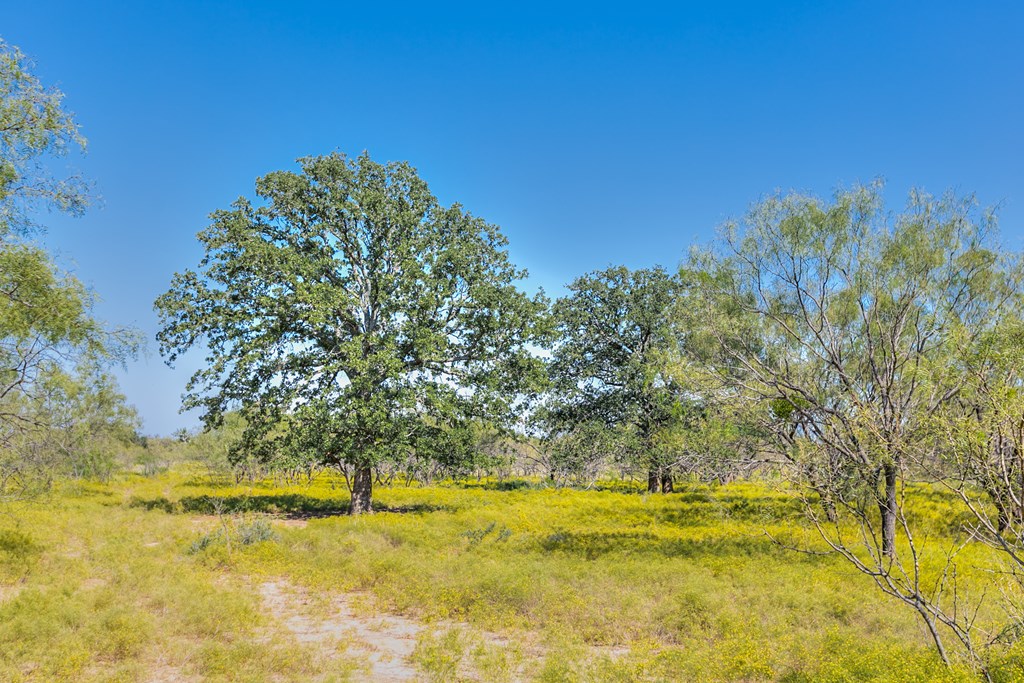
(353, 319)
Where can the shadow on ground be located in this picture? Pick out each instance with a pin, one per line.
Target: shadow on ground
(591, 545)
(288, 505)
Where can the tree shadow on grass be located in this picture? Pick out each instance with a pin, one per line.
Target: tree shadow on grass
(693, 510)
(211, 482)
(287, 505)
(503, 485)
(543, 484)
(592, 546)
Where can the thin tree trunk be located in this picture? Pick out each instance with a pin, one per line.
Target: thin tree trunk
(362, 491)
(930, 623)
(887, 506)
(829, 506)
(1020, 466)
(666, 482)
(830, 511)
(1003, 515)
(828, 503)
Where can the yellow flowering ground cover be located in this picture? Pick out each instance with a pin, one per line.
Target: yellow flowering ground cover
(158, 579)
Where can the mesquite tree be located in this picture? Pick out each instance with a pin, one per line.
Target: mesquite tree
(352, 319)
(49, 338)
(846, 320)
(34, 128)
(983, 430)
(853, 326)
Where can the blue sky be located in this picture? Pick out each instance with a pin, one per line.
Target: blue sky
(594, 135)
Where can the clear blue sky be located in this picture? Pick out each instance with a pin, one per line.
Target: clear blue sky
(593, 135)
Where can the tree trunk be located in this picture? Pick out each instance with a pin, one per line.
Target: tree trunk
(887, 506)
(653, 481)
(666, 482)
(830, 510)
(1020, 491)
(828, 503)
(362, 491)
(1002, 512)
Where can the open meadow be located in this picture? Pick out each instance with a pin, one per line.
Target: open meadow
(186, 577)
(507, 342)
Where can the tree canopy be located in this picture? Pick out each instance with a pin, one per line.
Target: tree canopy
(611, 362)
(351, 318)
(856, 328)
(34, 127)
(52, 348)
(852, 323)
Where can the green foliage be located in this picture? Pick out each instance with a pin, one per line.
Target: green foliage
(18, 552)
(610, 367)
(849, 326)
(89, 425)
(582, 452)
(854, 332)
(33, 126)
(352, 319)
(241, 533)
(477, 536)
(213, 447)
(58, 410)
(439, 657)
(849, 323)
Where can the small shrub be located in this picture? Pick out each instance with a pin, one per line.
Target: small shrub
(17, 552)
(477, 536)
(16, 544)
(255, 531)
(439, 656)
(246, 532)
(203, 542)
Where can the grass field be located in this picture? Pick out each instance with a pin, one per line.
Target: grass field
(183, 577)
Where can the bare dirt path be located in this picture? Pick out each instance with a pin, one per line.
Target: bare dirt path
(385, 642)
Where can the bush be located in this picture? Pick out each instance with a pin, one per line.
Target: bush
(243, 533)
